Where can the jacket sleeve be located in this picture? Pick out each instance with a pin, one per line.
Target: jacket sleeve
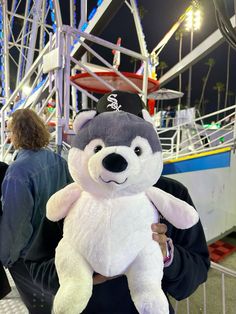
(16, 226)
(191, 262)
(40, 256)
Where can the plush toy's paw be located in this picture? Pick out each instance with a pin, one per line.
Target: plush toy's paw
(151, 303)
(60, 203)
(71, 300)
(179, 213)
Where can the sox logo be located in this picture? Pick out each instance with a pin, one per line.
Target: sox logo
(113, 102)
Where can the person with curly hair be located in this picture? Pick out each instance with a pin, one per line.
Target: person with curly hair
(30, 180)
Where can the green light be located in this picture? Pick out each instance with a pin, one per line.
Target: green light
(212, 126)
(50, 109)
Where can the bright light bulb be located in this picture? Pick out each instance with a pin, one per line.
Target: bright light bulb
(189, 20)
(197, 20)
(193, 20)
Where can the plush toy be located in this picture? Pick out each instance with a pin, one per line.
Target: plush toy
(115, 159)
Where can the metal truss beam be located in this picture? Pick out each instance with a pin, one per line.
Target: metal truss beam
(96, 25)
(207, 46)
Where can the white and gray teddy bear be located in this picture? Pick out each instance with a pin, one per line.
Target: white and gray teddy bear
(115, 159)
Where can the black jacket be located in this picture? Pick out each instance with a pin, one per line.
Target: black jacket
(188, 269)
(4, 284)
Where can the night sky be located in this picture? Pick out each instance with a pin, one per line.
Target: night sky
(159, 17)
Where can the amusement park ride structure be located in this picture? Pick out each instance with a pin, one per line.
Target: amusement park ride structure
(50, 58)
(44, 53)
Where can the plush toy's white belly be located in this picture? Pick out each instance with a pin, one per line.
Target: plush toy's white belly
(110, 233)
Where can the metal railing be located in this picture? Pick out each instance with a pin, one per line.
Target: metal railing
(216, 296)
(193, 137)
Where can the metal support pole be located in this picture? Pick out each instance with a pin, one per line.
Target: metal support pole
(42, 30)
(83, 13)
(180, 57)
(57, 13)
(139, 30)
(84, 98)
(72, 10)
(34, 30)
(22, 44)
(178, 132)
(59, 97)
(74, 96)
(66, 102)
(190, 72)
(5, 49)
(143, 47)
(83, 19)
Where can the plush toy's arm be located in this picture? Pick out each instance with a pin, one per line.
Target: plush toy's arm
(60, 203)
(179, 213)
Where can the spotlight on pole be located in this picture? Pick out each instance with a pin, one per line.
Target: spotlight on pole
(193, 20)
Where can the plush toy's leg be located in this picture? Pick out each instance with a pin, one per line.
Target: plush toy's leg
(76, 280)
(144, 278)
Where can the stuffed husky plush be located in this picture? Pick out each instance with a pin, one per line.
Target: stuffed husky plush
(114, 160)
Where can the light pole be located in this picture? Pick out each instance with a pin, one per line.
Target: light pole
(193, 22)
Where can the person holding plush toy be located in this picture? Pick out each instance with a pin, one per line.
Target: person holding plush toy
(183, 252)
(30, 180)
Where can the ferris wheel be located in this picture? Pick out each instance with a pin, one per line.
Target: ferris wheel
(26, 26)
(37, 50)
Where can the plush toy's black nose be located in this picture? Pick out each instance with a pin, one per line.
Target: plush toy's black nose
(114, 163)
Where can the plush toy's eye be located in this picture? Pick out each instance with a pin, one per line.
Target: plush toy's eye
(94, 146)
(138, 150)
(97, 148)
(141, 147)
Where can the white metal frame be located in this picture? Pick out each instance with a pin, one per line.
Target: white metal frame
(21, 47)
(58, 82)
(199, 138)
(223, 273)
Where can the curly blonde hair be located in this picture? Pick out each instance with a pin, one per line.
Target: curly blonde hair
(29, 130)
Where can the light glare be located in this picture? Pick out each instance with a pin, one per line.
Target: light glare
(26, 90)
(193, 20)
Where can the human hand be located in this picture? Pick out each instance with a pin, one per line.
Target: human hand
(98, 279)
(159, 235)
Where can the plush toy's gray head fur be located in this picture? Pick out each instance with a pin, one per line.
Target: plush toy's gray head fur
(116, 129)
(114, 152)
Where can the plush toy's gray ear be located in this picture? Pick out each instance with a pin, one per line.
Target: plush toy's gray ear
(82, 118)
(147, 117)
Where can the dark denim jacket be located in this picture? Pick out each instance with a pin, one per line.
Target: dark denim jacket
(28, 184)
